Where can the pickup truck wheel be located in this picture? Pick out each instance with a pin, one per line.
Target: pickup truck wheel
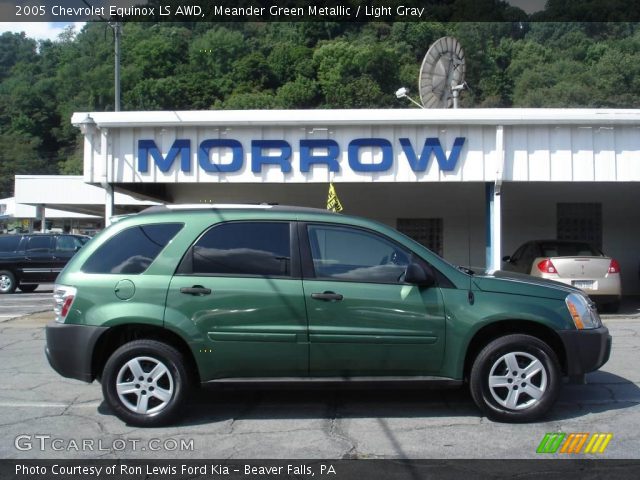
(145, 383)
(7, 282)
(515, 378)
(31, 287)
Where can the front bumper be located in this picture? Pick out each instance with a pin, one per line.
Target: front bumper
(69, 349)
(586, 350)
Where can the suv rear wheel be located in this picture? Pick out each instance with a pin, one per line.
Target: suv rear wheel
(515, 378)
(30, 287)
(7, 282)
(145, 383)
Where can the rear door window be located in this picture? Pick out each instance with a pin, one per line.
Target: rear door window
(243, 248)
(39, 244)
(132, 250)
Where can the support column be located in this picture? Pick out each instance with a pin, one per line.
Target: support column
(493, 217)
(106, 175)
(493, 226)
(43, 218)
(108, 203)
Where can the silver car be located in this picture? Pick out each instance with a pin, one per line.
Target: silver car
(579, 264)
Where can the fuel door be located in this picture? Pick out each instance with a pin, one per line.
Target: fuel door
(125, 289)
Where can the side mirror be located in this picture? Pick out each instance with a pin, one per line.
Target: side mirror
(418, 275)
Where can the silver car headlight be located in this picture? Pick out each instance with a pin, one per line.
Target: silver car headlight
(583, 312)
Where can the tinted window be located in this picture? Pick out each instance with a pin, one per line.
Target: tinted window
(244, 248)
(569, 249)
(132, 250)
(9, 243)
(39, 244)
(68, 244)
(350, 254)
(518, 253)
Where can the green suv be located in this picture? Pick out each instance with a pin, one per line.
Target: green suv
(178, 296)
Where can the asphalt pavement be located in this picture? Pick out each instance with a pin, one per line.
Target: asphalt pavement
(19, 303)
(43, 415)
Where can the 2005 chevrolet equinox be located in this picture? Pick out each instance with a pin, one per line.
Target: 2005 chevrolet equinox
(181, 295)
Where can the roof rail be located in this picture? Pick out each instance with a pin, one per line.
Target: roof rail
(230, 206)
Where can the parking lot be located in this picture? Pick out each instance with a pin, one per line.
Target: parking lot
(43, 415)
(20, 303)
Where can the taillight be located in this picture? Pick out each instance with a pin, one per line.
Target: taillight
(546, 266)
(614, 266)
(63, 297)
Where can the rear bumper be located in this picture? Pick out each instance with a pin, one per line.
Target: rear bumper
(69, 349)
(607, 286)
(586, 350)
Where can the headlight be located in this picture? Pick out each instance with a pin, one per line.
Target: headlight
(583, 312)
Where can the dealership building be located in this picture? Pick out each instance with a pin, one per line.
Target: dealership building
(471, 184)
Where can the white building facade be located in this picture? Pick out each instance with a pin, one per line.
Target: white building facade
(471, 184)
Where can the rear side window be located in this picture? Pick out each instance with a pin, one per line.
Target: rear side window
(10, 243)
(132, 250)
(244, 248)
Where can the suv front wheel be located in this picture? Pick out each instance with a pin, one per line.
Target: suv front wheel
(145, 383)
(515, 378)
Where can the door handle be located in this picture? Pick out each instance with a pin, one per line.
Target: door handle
(196, 290)
(327, 296)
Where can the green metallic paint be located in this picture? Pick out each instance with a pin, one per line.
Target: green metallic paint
(258, 326)
(465, 320)
(376, 329)
(253, 326)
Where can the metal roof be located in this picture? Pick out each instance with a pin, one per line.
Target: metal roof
(324, 118)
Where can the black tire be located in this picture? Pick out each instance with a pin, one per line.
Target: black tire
(174, 383)
(28, 288)
(612, 307)
(513, 402)
(7, 282)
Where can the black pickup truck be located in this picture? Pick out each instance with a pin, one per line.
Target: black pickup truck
(27, 260)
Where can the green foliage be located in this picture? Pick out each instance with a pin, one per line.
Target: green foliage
(279, 65)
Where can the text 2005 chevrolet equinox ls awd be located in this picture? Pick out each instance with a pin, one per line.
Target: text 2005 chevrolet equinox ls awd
(177, 296)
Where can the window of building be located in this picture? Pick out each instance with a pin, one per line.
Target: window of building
(426, 231)
(244, 248)
(580, 221)
(132, 250)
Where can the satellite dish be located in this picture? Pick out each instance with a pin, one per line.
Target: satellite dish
(442, 74)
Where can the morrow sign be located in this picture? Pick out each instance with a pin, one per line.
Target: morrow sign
(312, 152)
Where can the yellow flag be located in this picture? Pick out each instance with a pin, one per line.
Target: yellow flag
(333, 202)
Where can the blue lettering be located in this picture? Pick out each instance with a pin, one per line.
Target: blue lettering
(308, 155)
(432, 145)
(330, 159)
(258, 159)
(149, 147)
(236, 153)
(354, 154)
